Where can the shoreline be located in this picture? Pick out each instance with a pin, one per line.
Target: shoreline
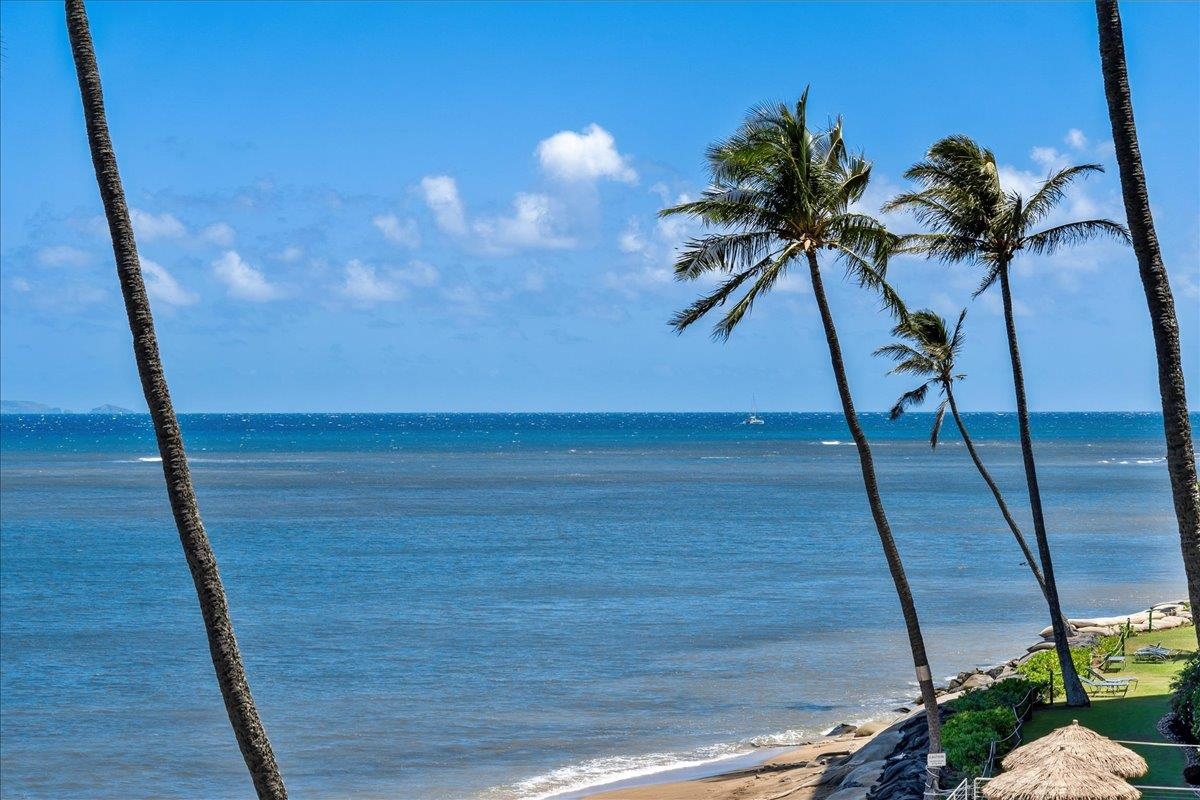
(818, 769)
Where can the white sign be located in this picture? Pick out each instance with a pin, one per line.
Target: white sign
(937, 759)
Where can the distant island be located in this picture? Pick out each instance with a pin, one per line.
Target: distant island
(30, 407)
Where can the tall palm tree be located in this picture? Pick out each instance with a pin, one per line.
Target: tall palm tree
(929, 351)
(231, 675)
(782, 194)
(1181, 457)
(972, 218)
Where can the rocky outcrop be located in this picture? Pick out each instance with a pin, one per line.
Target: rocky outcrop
(892, 765)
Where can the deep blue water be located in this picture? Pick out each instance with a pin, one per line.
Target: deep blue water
(503, 605)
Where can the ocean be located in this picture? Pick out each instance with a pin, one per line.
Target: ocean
(503, 606)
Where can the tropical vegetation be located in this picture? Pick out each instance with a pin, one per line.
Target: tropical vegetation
(929, 350)
(1177, 427)
(971, 217)
(782, 195)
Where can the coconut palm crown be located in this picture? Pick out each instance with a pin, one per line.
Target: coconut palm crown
(783, 193)
(779, 192)
(928, 350)
(970, 217)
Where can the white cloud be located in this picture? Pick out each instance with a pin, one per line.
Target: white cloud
(532, 225)
(397, 231)
(20, 284)
(418, 273)
(219, 233)
(62, 256)
(363, 286)
(290, 253)
(632, 240)
(149, 227)
(585, 156)
(1075, 139)
(163, 287)
(242, 280)
(441, 195)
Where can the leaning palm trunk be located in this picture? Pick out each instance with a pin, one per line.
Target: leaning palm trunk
(1181, 457)
(892, 554)
(1074, 689)
(231, 676)
(1030, 559)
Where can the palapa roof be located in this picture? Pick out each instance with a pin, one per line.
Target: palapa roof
(1099, 751)
(1059, 776)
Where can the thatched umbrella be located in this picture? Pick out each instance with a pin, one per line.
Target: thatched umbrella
(1059, 776)
(1101, 752)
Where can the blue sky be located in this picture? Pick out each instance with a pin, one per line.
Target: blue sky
(452, 207)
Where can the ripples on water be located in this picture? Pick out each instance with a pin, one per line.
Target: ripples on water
(502, 606)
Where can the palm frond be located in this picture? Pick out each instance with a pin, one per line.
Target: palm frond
(683, 319)
(909, 399)
(937, 424)
(1047, 241)
(725, 252)
(1053, 190)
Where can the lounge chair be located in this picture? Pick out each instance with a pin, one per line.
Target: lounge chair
(1102, 679)
(1106, 688)
(1153, 653)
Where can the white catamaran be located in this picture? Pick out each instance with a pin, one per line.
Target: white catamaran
(754, 418)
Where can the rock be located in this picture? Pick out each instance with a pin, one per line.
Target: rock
(839, 729)
(978, 681)
(864, 776)
(1191, 774)
(1095, 630)
(871, 728)
(878, 748)
(1166, 623)
(901, 710)
(1040, 646)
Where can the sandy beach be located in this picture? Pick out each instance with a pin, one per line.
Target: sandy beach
(809, 772)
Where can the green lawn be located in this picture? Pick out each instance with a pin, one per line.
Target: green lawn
(1134, 717)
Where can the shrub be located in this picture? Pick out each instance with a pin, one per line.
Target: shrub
(1044, 663)
(1002, 694)
(967, 737)
(1185, 697)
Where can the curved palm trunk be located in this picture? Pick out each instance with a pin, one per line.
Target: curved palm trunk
(1074, 689)
(231, 676)
(895, 565)
(987, 478)
(1181, 457)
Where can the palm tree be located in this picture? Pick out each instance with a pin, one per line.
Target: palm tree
(929, 351)
(1181, 457)
(231, 675)
(972, 218)
(781, 194)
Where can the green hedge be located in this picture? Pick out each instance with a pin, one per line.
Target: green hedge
(1185, 697)
(1002, 694)
(967, 737)
(1043, 663)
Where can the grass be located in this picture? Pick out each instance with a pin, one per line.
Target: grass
(1134, 717)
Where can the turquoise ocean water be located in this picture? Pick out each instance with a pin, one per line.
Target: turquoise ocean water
(499, 606)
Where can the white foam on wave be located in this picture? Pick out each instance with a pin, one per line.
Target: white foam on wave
(598, 772)
(601, 771)
(831, 441)
(150, 459)
(1142, 462)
